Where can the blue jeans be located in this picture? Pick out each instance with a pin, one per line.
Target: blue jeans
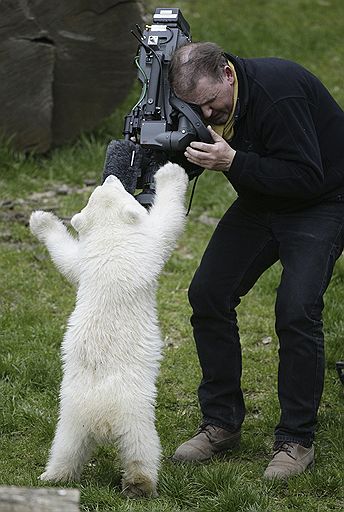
(244, 244)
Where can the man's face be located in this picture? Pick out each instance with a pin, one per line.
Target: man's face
(215, 98)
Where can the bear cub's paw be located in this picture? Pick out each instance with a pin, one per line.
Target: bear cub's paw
(59, 476)
(171, 173)
(140, 488)
(40, 222)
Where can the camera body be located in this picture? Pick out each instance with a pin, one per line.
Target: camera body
(161, 124)
(160, 120)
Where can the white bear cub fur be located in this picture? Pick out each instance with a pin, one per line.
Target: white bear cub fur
(112, 346)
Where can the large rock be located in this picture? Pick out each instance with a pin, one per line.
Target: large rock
(64, 66)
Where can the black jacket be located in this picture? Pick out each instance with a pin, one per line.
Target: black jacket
(288, 137)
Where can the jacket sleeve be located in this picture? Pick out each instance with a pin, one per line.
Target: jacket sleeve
(291, 166)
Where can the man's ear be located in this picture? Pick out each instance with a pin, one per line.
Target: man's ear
(77, 221)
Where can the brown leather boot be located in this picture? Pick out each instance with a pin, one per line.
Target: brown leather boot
(289, 459)
(206, 443)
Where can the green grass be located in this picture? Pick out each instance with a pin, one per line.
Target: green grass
(35, 302)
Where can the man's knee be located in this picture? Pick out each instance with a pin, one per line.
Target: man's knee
(298, 312)
(207, 295)
(197, 291)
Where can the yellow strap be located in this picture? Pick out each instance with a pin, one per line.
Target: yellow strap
(227, 130)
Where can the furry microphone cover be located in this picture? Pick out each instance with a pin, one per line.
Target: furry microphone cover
(123, 159)
(129, 161)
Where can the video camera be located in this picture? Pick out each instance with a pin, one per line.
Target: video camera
(160, 123)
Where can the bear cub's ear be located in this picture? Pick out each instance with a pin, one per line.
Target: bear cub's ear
(77, 221)
(132, 213)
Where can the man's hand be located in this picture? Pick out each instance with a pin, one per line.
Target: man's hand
(218, 156)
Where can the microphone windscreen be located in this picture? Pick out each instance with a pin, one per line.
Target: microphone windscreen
(123, 160)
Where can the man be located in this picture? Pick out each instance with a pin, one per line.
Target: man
(278, 138)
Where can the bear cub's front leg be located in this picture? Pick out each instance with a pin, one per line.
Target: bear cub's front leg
(172, 177)
(42, 223)
(63, 247)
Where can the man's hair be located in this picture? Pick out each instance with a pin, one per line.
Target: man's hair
(191, 62)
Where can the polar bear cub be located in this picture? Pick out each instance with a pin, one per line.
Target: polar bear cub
(112, 346)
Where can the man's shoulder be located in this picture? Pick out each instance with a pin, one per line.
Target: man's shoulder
(278, 78)
(270, 62)
(272, 68)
